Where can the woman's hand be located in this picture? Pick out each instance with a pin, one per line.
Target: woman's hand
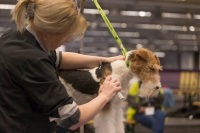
(109, 88)
(111, 59)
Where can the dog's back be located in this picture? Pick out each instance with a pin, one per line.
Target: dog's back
(83, 84)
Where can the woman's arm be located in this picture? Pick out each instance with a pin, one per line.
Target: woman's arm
(89, 110)
(108, 89)
(71, 60)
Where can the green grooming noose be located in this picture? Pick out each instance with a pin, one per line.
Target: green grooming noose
(112, 30)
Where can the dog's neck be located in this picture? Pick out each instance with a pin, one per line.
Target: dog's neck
(121, 72)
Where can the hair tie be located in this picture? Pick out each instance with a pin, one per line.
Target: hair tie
(30, 9)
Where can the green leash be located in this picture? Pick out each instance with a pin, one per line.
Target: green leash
(109, 25)
(112, 30)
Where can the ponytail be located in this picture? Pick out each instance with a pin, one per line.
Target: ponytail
(19, 14)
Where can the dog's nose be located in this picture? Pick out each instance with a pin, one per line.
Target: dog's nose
(157, 87)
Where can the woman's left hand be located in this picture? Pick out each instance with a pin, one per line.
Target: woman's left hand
(114, 58)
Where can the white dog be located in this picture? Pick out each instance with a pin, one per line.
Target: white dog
(83, 85)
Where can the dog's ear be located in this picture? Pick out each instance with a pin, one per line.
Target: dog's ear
(155, 67)
(157, 59)
(142, 54)
(158, 66)
(139, 54)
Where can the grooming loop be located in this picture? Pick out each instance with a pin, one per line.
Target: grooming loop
(116, 37)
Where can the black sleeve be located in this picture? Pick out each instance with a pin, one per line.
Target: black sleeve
(40, 81)
(68, 122)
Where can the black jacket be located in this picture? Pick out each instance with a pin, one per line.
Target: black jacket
(30, 90)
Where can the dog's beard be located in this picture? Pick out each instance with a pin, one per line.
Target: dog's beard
(148, 90)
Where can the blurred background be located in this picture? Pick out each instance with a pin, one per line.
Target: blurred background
(170, 28)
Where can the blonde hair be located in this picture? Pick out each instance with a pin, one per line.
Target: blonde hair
(52, 16)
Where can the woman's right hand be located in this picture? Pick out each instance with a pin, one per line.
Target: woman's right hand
(110, 87)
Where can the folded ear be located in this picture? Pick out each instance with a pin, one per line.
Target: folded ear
(155, 67)
(142, 54)
(157, 59)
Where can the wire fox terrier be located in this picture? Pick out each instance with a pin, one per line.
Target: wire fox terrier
(83, 85)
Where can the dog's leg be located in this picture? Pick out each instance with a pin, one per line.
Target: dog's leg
(119, 119)
(104, 122)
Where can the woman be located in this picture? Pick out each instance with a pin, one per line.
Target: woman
(31, 94)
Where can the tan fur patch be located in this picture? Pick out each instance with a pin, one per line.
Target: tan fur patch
(144, 63)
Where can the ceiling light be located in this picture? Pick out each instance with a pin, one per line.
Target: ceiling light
(174, 15)
(184, 28)
(172, 28)
(146, 26)
(192, 28)
(116, 25)
(196, 16)
(129, 13)
(194, 37)
(142, 14)
(113, 50)
(189, 16)
(139, 46)
(6, 6)
(158, 27)
(97, 33)
(160, 54)
(163, 42)
(123, 25)
(93, 25)
(129, 34)
(89, 39)
(136, 13)
(94, 11)
(185, 37)
(138, 41)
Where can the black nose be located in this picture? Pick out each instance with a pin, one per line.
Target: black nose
(157, 87)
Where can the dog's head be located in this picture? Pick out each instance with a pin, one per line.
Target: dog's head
(146, 65)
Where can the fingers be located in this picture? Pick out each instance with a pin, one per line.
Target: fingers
(113, 82)
(114, 58)
(121, 57)
(110, 87)
(108, 78)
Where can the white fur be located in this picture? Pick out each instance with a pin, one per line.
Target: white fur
(112, 121)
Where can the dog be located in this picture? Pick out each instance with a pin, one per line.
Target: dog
(83, 85)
